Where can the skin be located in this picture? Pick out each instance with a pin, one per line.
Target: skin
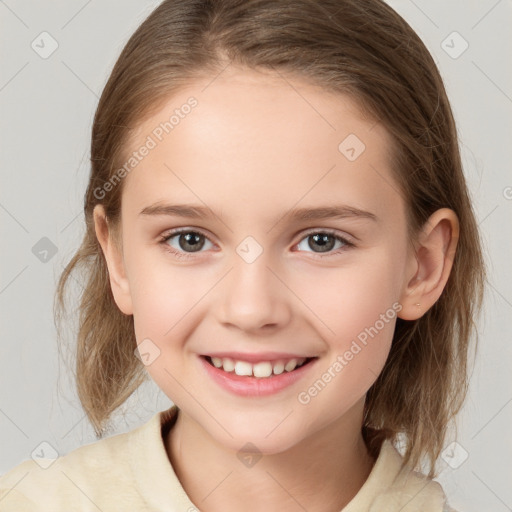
(254, 148)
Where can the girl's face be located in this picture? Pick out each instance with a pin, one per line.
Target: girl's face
(254, 273)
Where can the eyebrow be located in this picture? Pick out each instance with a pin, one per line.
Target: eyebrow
(302, 214)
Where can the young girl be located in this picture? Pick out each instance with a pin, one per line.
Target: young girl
(279, 233)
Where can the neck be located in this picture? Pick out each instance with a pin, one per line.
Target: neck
(333, 463)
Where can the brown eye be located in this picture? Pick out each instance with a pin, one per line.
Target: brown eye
(323, 242)
(191, 241)
(180, 242)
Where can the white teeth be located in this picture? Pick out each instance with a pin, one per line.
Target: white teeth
(243, 368)
(290, 365)
(260, 370)
(217, 362)
(228, 364)
(278, 368)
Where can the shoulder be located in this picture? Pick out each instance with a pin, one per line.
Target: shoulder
(11, 498)
(406, 490)
(78, 480)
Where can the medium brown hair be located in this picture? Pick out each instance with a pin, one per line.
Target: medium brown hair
(362, 48)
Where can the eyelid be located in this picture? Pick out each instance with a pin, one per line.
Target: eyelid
(329, 231)
(347, 239)
(186, 229)
(350, 239)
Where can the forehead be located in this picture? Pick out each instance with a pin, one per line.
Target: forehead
(245, 137)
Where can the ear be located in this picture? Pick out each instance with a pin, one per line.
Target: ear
(115, 263)
(430, 264)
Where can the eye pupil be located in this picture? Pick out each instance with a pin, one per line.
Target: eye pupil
(322, 240)
(193, 241)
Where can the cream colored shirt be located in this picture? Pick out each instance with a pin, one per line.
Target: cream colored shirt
(131, 472)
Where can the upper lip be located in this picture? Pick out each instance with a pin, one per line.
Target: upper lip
(255, 358)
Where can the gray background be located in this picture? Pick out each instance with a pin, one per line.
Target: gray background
(47, 106)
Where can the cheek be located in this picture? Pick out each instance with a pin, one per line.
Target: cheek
(165, 302)
(165, 306)
(351, 298)
(356, 309)
(161, 293)
(358, 351)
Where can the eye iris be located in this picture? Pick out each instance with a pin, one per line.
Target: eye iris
(322, 239)
(193, 241)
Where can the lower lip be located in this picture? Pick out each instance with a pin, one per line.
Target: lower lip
(254, 386)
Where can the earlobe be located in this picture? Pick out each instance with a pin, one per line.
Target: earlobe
(114, 259)
(434, 255)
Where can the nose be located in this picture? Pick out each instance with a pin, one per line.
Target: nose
(253, 296)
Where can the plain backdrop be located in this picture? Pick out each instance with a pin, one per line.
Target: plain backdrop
(47, 107)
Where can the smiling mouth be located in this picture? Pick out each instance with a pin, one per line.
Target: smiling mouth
(263, 369)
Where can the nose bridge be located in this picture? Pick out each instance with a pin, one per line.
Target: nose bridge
(253, 296)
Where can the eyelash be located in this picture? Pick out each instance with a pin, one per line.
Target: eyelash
(184, 255)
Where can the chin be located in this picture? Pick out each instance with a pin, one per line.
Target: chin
(269, 438)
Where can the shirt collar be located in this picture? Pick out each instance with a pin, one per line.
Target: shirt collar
(162, 490)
